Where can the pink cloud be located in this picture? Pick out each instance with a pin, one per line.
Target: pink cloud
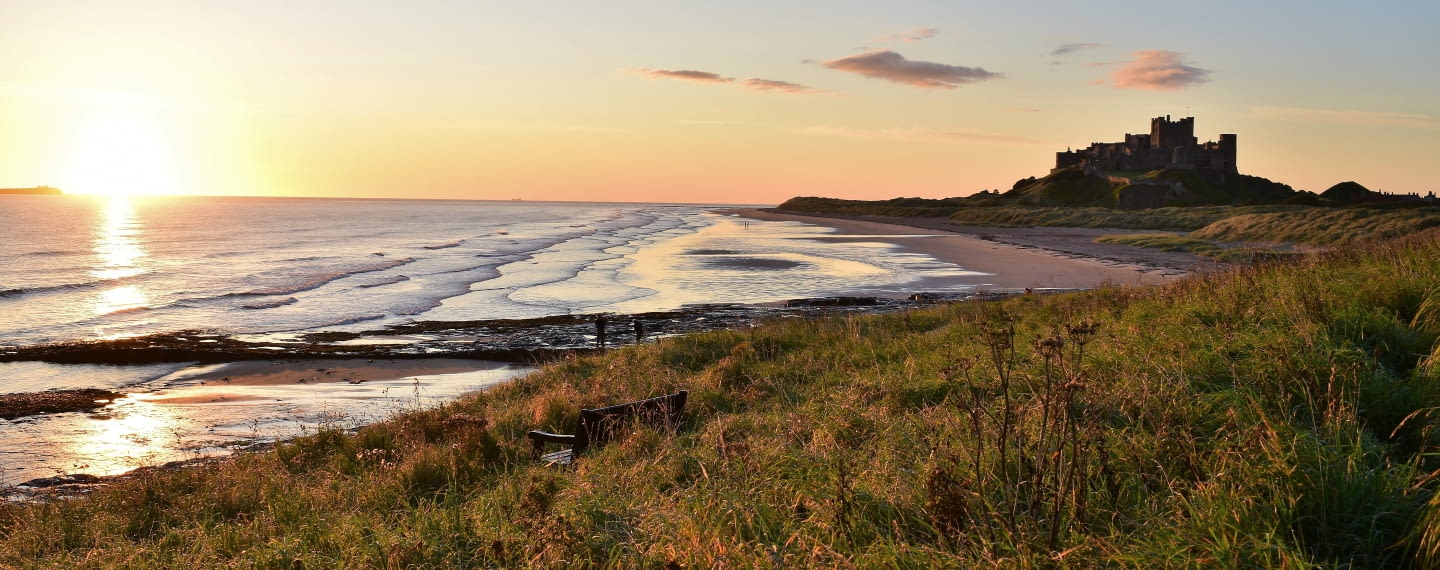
(891, 66)
(686, 75)
(1160, 70)
(771, 85)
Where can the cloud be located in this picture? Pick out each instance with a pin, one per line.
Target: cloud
(1158, 69)
(1345, 117)
(685, 75)
(924, 134)
(753, 83)
(1072, 48)
(891, 66)
(910, 36)
(773, 86)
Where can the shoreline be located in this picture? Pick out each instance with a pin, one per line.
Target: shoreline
(1015, 258)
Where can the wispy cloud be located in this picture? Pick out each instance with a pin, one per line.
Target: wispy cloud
(1345, 117)
(753, 83)
(891, 66)
(1072, 48)
(685, 75)
(1159, 70)
(756, 84)
(923, 134)
(910, 36)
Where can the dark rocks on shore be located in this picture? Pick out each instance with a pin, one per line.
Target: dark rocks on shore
(526, 341)
(20, 405)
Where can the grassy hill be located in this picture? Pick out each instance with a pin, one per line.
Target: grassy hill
(1280, 415)
(1074, 189)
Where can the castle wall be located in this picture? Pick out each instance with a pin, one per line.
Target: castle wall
(1170, 144)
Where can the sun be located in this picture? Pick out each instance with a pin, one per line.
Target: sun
(120, 149)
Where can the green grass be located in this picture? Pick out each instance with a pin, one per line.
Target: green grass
(1279, 415)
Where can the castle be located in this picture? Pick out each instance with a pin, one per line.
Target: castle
(1170, 144)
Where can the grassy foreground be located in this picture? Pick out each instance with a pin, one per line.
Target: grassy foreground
(1274, 416)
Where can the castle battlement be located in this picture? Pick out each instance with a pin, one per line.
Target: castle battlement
(1169, 144)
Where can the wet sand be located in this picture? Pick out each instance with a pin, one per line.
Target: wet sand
(297, 372)
(1026, 259)
(196, 413)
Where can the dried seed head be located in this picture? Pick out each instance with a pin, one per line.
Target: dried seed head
(1082, 332)
(1050, 347)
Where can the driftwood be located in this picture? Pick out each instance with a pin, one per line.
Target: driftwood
(600, 425)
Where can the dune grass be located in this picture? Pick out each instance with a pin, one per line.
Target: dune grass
(1279, 415)
(1320, 226)
(1206, 248)
(1173, 219)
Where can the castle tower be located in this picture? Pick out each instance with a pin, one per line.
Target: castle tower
(1165, 133)
(1227, 149)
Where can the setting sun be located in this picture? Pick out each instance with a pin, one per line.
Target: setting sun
(121, 150)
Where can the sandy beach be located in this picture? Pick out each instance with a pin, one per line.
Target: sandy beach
(1009, 258)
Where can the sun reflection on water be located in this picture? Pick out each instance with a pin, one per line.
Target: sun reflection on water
(118, 250)
(120, 299)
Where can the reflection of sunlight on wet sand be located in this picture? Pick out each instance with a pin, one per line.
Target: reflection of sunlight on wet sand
(135, 433)
(189, 421)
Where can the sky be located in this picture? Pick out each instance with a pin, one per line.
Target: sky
(736, 102)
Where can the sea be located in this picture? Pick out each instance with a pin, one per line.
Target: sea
(80, 268)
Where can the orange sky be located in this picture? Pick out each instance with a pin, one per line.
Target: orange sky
(745, 102)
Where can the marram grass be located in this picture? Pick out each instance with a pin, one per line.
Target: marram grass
(1274, 416)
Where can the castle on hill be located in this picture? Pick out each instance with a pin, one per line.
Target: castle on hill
(1169, 144)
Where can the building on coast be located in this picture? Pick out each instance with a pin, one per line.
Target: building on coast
(1169, 144)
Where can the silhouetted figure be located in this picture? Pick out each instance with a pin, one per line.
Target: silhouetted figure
(600, 331)
(639, 332)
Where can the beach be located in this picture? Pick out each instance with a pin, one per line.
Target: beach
(1012, 258)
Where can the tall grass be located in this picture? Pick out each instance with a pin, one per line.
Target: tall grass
(1273, 416)
(1321, 226)
(1176, 219)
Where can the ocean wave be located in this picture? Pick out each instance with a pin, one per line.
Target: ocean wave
(345, 321)
(384, 281)
(63, 287)
(55, 253)
(271, 304)
(317, 281)
(446, 245)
